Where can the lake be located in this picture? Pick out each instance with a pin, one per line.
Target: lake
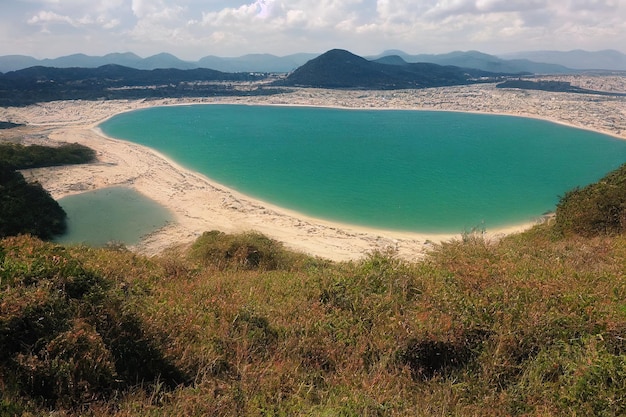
(422, 171)
(110, 216)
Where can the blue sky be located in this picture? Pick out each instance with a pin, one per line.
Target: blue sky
(191, 29)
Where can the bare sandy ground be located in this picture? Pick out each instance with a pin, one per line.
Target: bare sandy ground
(199, 204)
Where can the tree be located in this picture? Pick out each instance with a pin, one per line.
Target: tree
(26, 208)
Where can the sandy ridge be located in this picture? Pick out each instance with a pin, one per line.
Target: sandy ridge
(199, 204)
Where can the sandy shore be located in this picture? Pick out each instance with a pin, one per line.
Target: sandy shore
(199, 204)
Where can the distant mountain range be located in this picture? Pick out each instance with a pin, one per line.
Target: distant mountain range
(246, 63)
(577, 59)
(257, 62)
(542, 62)
(481, 61)
(338, 68)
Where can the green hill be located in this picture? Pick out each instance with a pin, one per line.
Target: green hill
(533, 324)
(341, 69)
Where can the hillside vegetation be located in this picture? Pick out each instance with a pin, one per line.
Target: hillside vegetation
(533, 324)
(40, 84)
(26, 208)
(18, 156)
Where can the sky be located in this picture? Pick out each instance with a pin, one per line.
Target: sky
(192, 29)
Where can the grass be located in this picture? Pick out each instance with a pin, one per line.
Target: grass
(531, 325)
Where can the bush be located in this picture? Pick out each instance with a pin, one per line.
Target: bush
(580, 376)
(27, 208)
(18, 156)
(598, 209)
(249, 250)
(66, 336)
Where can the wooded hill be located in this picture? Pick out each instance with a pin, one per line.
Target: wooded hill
(39, 84)
(342, 69)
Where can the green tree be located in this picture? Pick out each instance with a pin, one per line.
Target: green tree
(27, 208)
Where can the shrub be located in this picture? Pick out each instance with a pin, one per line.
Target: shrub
(579, 376)
(249, 250)
(18, 156)
(66, 336)
(596, 209)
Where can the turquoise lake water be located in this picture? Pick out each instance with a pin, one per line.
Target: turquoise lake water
(401, 170)
(111, 215)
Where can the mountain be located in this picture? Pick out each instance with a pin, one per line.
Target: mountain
(391, 60)
(338, 68)
(481, 61)
(113, 75)
(583, 60)
(256, 62)
(75, 60)
(245, 63)
(16, 62)
(541, 62)
(165, 61)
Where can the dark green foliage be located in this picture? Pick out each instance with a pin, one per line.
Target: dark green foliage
(341, 69)
(66, 335)
(27, 208)
(40, 84)
(597, 209)
(17, 156)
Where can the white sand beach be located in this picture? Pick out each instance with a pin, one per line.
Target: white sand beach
(199, 204)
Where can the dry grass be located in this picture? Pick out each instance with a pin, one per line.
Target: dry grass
(532, 325)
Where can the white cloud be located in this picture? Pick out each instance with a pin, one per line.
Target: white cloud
(77, 14)
(44, 17)
(242, 15)
(232, 27)
(142, 8)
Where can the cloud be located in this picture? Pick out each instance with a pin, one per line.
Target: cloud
(44, 17)
(284, 26)
(77, 14)
(594, 5)
(156, 10)
(260, 10)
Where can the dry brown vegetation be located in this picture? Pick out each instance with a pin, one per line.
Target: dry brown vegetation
(534, 324)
